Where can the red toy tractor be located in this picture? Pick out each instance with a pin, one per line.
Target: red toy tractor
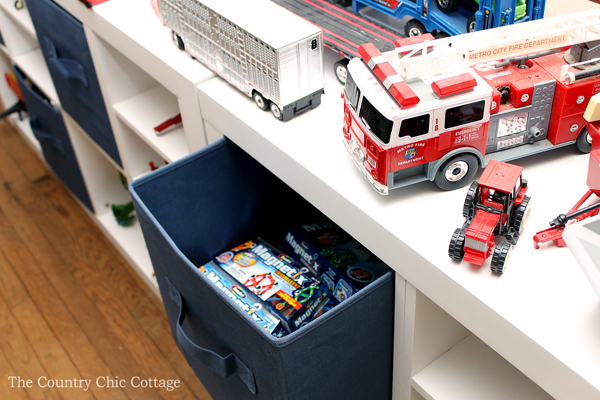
(496, 205)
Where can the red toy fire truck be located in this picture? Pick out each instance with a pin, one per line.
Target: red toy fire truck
(438, 109)
(580, 212)
(496, 205)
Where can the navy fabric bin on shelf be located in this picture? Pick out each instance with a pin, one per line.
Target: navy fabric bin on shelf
(218, 198)
(65, 49)
(49, 129)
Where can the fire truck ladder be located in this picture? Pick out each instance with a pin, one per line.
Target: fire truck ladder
(457, 53)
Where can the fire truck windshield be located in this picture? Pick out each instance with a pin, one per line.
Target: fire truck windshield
(375, 121)
(351, 92)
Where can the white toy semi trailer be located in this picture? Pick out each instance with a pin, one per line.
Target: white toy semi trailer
(279, 64)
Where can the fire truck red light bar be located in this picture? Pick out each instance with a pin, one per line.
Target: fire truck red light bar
(385, 70)
(453, 85)
(368, 51)
(404, 94)
(408, 41)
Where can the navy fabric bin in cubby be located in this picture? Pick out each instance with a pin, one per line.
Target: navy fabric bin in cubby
(218, 198)
(49, 129)
(65, 49)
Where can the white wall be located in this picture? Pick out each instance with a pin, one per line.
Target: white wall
(557, 7)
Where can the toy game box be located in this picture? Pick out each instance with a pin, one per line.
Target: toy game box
(292, 293)
(245, 299)
(334, 256)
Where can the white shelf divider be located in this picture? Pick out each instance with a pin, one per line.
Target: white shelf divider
(34, 66)
(146, 110)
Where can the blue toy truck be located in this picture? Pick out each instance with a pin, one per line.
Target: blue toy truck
(454, 17)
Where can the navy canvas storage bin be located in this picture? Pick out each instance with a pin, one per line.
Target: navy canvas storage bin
(65, 49)
(218, 198)
(49, 129)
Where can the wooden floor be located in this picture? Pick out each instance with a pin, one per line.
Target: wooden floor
(71, 307)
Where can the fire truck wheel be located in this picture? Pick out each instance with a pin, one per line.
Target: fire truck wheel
(522, 214)
(260, 101)
(341, 70)
(584, 141)
(276, 111)
(414, 28)
(456, 250)
(471, 25)
(456, 172)
(468, 209)
(500, 257)
(447, 6)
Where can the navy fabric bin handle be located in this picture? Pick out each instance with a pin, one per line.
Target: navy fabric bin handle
(68, 68)
(45, 137)
(224, 366)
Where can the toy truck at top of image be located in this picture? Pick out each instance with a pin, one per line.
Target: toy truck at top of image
(439, 109)
(455, 17)
(265, 51)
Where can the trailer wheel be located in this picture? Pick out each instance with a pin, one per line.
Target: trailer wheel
(500, 257)
(456, 250)
(522, 214)
(276, 111)
(584, 141)
(260, 101)
(177, 39)
(414, 28)
(468, 209)
(456, 172)
(341, 70)
(471, 25)
(447, 6)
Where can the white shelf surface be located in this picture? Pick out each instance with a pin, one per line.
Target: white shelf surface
(489, 376)
(542, 315)
(34, 66)
(149, 109)
(130, 242)
(20, 16)
(155, 51)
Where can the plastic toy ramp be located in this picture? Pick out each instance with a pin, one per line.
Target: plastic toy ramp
(583, 239)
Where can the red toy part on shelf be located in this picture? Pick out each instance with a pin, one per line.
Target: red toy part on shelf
(580, 212)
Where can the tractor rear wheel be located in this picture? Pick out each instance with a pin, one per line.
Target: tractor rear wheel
(522, 215)
(500, 257)
(456, 250)
(469, 207)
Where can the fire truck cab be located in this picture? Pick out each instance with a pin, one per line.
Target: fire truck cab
(409, 130)
(496, 205)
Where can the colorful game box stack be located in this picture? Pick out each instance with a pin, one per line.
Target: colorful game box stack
(290, 292)
(244, 298)
(333, 256)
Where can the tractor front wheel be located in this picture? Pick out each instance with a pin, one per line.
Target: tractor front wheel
(500, 257)
(456, 250)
